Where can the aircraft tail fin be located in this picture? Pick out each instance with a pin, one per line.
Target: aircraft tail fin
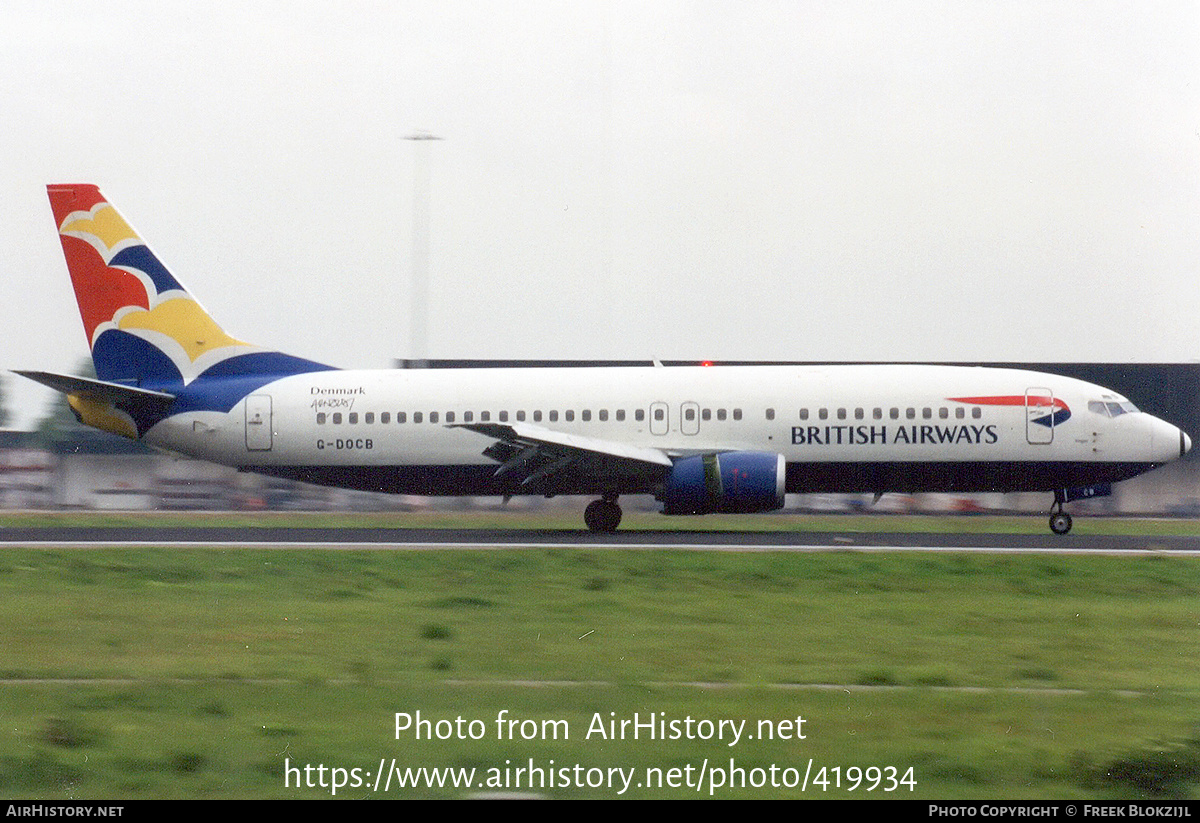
(144, 328)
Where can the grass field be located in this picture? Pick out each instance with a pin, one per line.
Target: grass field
(167, 673)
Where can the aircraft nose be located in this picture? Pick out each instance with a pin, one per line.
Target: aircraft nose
(1167, 441)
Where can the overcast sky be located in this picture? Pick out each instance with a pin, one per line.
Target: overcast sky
(771, 181)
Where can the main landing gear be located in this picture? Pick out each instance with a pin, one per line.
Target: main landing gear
(603, 515)
(1060, 521)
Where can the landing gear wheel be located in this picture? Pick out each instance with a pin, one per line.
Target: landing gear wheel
(1060, 522)
(602, 515)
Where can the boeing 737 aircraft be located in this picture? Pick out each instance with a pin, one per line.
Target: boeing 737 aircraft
(720, 439)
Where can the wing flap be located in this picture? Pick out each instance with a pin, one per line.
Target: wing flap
(550, 440)
(532, 456)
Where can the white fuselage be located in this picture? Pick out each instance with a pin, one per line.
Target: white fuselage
(872, 428)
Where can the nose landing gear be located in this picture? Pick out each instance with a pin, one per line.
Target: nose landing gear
(1060, 521)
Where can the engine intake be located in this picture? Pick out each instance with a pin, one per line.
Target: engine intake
(725, 482)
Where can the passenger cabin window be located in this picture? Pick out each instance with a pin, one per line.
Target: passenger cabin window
(320, 418)
(385, 417)
(737, 414)
(804, 414)
(770, 414)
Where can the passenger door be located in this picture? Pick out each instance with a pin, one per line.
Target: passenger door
(258, 423)
(1039, 416)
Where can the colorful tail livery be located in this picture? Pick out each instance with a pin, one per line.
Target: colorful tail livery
(155, 349)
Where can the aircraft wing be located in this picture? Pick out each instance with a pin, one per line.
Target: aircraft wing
(535, 453)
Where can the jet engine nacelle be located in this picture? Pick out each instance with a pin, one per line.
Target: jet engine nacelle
(725, 482)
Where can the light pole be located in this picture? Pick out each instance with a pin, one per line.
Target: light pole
(419, 308)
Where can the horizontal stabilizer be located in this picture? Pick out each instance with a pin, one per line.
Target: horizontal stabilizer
(114, 393)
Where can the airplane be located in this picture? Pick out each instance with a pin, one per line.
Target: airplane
(700, 439)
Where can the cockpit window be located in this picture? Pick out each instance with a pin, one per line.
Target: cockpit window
(1112, 408)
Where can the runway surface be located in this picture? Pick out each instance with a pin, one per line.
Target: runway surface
(434, 539)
